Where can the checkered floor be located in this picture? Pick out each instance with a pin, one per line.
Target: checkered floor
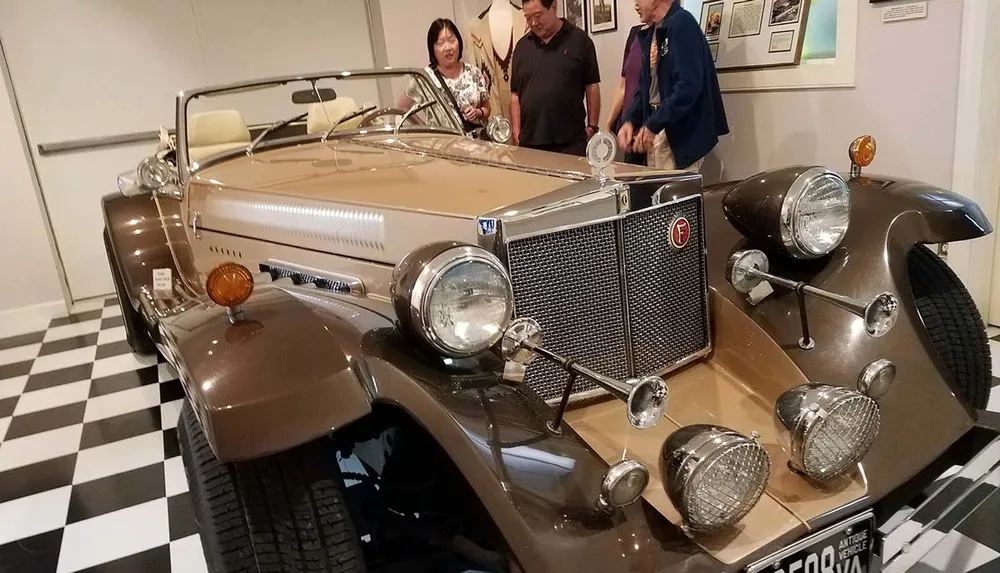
(90, 474)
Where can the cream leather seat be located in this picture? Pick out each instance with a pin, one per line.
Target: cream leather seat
(324, 114)
(213, 132)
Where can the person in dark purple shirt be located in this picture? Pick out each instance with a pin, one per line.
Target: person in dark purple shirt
(622, 101)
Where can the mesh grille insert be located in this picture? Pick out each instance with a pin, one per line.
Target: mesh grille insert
(614, 295)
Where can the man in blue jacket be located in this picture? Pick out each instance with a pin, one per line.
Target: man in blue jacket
(677, 115)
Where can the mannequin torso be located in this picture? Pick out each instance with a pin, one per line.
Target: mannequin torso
(501, 18)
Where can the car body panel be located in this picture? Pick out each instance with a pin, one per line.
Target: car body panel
(304, 362)
(292, 383)
(888, 218)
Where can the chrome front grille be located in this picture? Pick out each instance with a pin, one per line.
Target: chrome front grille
(614, 295)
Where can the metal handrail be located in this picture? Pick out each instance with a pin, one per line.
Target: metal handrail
(88, 143)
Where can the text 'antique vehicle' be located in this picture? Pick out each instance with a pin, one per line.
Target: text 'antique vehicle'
(399, 340)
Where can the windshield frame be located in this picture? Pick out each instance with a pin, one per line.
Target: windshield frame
(184, 167)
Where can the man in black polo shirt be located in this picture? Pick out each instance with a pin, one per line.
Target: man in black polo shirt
(554, 69)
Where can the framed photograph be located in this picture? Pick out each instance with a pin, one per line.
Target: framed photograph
(781, 41)
(746, 19)
(785, 12)
(574, 12)
(711, 19)
(602, 16)
(714, 50)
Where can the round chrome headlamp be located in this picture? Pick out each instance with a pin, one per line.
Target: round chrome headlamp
(154, 173)
(498, 129)
(457, 297)
(623, 484)
(815, 213)
(826, 430)
(713, 475)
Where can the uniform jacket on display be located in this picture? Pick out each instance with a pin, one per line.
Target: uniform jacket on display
(691, 109)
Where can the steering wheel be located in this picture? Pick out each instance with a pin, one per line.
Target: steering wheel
(369, 119)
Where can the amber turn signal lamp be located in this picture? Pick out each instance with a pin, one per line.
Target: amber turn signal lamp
(863, 151)
(229, 284)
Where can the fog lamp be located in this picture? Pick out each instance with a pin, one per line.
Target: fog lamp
(713, 475)
(826, 430)
(229, 284)
(623, 484)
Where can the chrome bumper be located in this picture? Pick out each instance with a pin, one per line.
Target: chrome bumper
(911, 534)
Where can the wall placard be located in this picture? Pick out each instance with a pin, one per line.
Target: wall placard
(754, 33)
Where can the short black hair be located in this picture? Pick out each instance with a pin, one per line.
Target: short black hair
(547, 4)
(432, 36)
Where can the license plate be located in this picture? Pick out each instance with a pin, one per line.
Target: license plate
(842, 548)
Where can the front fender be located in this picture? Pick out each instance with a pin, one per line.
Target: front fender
(928, 214)
(887, 219)
(539, 488)
(279, 378)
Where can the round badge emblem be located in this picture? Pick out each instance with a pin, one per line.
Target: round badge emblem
(601, 150)
(680, 233)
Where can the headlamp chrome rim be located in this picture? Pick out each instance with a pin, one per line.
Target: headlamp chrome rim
(789, 211)
(432, 273)
(802, 413)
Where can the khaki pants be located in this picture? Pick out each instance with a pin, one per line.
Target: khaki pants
(662, 157)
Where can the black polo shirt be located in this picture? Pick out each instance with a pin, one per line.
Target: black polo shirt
(550, 81)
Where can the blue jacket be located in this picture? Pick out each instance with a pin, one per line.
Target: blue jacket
(691, 109)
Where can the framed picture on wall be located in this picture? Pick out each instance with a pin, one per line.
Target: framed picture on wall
(574, 12)
(602, 16)
(785, 12)
(711, 19)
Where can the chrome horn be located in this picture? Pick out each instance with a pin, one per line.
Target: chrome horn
(646, 397)
(746, 270)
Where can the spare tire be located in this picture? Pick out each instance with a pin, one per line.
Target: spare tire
(954, 324)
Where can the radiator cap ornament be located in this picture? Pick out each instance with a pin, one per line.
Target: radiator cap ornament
(601, 151)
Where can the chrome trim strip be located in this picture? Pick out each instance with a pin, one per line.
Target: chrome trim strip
(355, 284)
(99, 142)
(617, 217)
(768, 561)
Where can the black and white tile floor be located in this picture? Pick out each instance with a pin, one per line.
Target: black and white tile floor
(91, 478)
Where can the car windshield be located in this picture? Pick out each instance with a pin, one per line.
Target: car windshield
(249, 117)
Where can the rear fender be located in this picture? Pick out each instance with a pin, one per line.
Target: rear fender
(281, 377)
(148, 233)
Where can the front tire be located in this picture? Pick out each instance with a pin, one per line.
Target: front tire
(285, 513)
(953, 323)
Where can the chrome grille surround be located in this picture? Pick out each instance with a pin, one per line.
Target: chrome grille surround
(612, 292)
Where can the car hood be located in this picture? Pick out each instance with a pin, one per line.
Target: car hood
(375, 197)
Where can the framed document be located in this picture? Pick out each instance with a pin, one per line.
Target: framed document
(735, 32)
(781, 42)
(747, 18)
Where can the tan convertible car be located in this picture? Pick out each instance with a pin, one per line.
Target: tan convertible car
(410, 348)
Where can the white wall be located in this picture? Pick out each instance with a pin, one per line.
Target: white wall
(29, 275)
(89, 69)
(905, 95)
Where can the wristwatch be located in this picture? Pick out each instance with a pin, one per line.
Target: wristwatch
(595, 128)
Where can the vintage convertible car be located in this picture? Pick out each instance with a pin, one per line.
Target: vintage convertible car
(404, 344)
